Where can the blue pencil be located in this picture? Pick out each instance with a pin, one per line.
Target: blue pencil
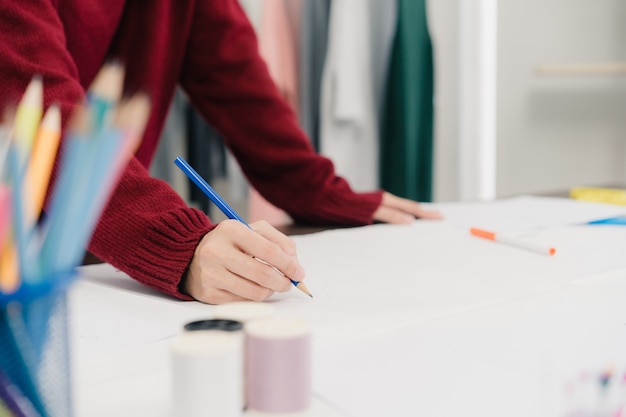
(15, 401)
(222, 205)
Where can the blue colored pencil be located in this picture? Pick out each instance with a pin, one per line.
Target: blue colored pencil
(14, 400)
(208, 190)
(17, 361)
(72, 186)
(223, 206)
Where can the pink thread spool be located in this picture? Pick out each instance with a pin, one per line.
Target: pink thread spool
(278, 365)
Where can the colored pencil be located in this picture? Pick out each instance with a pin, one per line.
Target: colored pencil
(9, 269)
(27, 118)
(89, 149)
(41, 162)
(113, 156)
(14, 400)
(104, 94)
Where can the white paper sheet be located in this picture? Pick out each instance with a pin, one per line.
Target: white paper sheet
(383, 277)
(526, 213)
(117, 333)
(524, 358)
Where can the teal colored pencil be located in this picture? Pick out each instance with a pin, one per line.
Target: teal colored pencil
(62, 212)
(94, 199)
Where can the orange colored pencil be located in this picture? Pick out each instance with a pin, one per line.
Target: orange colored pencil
(9, 268)
(41, 162)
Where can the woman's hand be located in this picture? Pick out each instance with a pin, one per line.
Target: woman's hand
(399, 210)
(224, 268)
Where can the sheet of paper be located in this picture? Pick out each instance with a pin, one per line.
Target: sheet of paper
(113, 332)
(377, 278)
(386, 276)
(526, 213)
(542, 355)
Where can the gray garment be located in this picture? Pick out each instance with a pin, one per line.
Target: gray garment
(313, 42)
(383, 21)
(360, 38)
(173, 143)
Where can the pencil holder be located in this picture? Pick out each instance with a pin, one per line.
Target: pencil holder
(34, 345)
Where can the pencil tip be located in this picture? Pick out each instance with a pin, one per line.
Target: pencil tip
(52, 118)
(34, 92)
(109, 82)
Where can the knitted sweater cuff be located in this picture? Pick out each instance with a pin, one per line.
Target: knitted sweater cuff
(156, 250)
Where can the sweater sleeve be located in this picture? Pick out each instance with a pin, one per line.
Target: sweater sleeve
(146, 230)
(32, 41)
(227, 80)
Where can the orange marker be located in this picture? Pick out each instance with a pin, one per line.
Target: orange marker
(508, 240)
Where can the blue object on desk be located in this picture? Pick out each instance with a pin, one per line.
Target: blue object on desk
(612, 220)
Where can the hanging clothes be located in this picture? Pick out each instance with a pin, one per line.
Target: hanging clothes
(278, 35)
(173, 143)
(407, 138)
(254, 11)
(206, 152)
(278, 43)
(359, 39)
(313, 40)
(383, 24)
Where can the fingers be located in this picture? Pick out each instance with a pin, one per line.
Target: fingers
(392, 216)
(270, 233)
(236, 289)
(397, 210)
(258, 272)
(224, 266)
(274, 248)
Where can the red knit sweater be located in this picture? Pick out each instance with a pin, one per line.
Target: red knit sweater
(209, 48)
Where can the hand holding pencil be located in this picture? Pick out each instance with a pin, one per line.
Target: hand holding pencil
(218, 276)
(223, 270)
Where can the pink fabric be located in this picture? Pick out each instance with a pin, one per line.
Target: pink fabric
(261, 209)
(278, 45)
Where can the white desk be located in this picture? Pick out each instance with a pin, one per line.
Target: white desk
(408, 320)
(120, 372)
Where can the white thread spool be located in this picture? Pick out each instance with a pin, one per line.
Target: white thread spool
(207, 369)
(243, 311)
(278, 366)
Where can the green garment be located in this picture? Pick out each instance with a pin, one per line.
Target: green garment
(406, 144)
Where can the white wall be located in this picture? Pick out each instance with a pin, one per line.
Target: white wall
(552, 132)
(443, 22)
